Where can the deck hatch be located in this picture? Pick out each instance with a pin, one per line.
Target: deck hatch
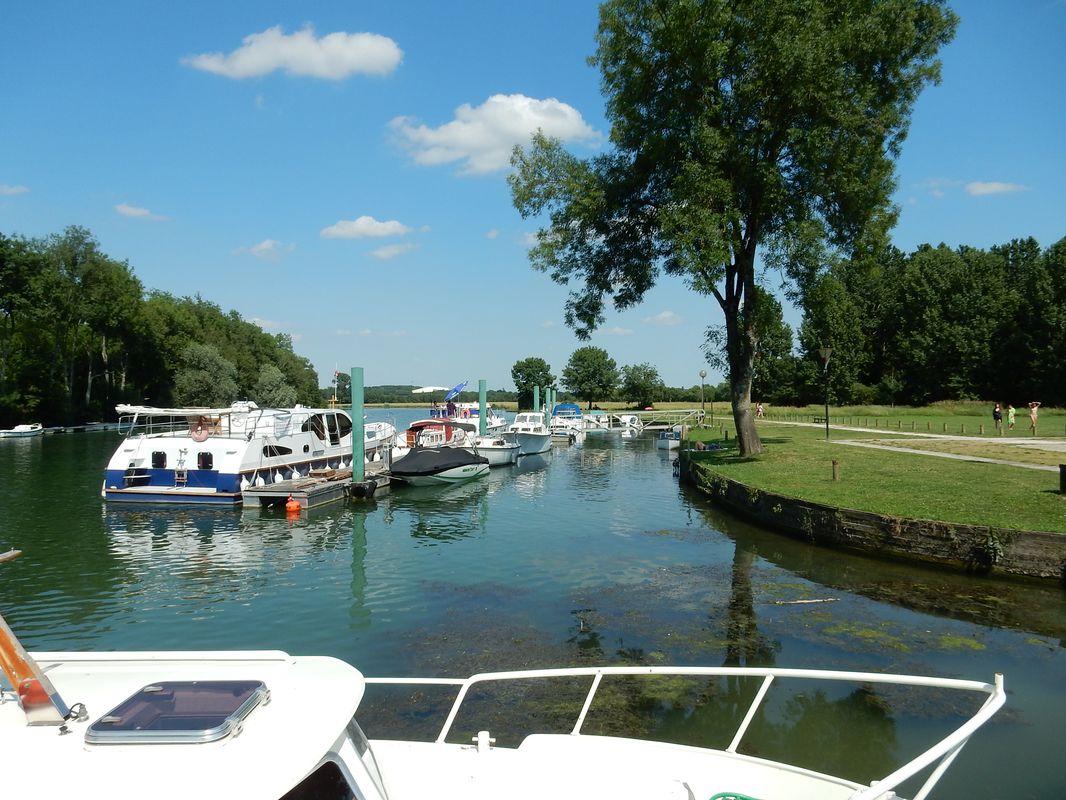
(179, 712)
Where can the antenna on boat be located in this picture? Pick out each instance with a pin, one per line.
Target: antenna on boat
(36, 694)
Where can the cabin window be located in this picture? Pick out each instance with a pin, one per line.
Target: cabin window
(159, 460)
(325, 783)
(316, 426)
(273, 451)
(334, 434)
(344, 424)
(205, 461)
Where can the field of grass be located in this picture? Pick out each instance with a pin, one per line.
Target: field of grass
(798, 463)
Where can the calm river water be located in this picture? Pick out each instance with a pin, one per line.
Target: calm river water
(590, 554)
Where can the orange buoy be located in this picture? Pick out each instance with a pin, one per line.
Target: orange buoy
(292, 505)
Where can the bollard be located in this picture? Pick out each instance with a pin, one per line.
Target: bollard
(981, 429)
(836, 470)
(928, 426)
(945, 427)
(962, 428)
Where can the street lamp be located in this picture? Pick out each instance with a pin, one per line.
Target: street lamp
(703, 408)
(825, 352)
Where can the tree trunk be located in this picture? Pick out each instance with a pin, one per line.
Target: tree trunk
(741, 345)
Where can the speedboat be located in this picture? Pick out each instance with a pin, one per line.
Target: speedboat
(426, 466)
(22, 431)
(211, 455)
(265, 725)
(532, 435)
(499, 449)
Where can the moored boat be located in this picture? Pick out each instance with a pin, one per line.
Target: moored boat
(253, 724)
(498, 450)
(426, 466)
(668, 440)
(532, 435)
(210, 455)
(566, 421)
(22, 431)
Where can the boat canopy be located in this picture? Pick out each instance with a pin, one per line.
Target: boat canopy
(240, 407)
(441, 422)
(432, 460)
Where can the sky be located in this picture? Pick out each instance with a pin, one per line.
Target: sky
(337, 171)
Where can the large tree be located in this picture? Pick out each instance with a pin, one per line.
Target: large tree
(734, 124)
(591, 374)
(641, 384)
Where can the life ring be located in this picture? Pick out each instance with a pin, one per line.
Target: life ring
(200, 431)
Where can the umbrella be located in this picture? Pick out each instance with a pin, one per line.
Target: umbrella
(428, 389)
(454, 391)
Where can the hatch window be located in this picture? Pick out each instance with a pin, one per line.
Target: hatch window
(205, 460)
(179, 712)
(159, 460)
(325, 783)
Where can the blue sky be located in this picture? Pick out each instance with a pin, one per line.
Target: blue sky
(336, 170)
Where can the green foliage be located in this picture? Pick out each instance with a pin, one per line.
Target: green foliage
(205, 378)
(271, 390)
(641, 384)
(591, 374)
(526, 374)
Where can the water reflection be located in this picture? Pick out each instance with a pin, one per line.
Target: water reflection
(439, 514)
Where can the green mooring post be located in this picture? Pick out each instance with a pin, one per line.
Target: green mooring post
(536, 398)
(358, 428)
(483, 424)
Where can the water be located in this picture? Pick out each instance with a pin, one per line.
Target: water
(591, 554)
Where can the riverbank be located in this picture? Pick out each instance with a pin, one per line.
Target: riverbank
(988, 517)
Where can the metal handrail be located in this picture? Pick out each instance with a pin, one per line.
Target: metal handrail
(941, 753)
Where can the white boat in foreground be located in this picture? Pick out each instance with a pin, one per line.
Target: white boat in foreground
(22, 431)
(269, 726)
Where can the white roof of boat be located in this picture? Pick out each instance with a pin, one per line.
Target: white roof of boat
(311, 701)
(204, 411)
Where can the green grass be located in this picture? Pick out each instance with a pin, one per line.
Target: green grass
(798, 463)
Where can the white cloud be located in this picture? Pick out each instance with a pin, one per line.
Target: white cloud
(334, 56)
(139, 213)
(492, 234)
(616, 331)
(482, 138)
(6, 189)
(978, 188)
(392, 250)
(342, 332)
(268, 249)
(362, 228)
(664, 318)
(268, 324)
(548, 323)
(369, 332)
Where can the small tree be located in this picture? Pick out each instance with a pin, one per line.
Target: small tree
(641, 384)
(591, 373)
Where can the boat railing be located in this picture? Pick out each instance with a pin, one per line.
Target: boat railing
(939, 756)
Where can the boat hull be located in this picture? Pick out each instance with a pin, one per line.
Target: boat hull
(533, 443)
(22, 432)
(461, 474)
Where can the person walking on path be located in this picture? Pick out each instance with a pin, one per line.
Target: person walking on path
(1033, 406)
(997, 417)
(1010, 417)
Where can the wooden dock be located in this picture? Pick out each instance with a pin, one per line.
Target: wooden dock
(319, 487)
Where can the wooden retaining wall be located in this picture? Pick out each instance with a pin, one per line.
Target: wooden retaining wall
(973, 548)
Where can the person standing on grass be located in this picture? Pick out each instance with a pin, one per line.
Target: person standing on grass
(1033, 406)
(997, 417)
(1010, 417)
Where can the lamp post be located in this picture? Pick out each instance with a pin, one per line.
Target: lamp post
(825, 352)
(703, 408)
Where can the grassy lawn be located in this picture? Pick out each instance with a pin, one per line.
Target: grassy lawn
(798, 463)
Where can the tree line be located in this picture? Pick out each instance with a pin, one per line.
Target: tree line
(79, 333)
(914, 328)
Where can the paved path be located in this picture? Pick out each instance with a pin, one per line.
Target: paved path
(1057, 445)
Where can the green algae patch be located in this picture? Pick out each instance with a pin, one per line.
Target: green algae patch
(948, 641)
(868, 635)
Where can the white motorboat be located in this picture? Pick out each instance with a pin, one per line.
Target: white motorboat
(532, 435)
(668, 440)
(470, 412)
(439, 451)
(211, 455)
(566, 421)
(22, 431)
(265, 725)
